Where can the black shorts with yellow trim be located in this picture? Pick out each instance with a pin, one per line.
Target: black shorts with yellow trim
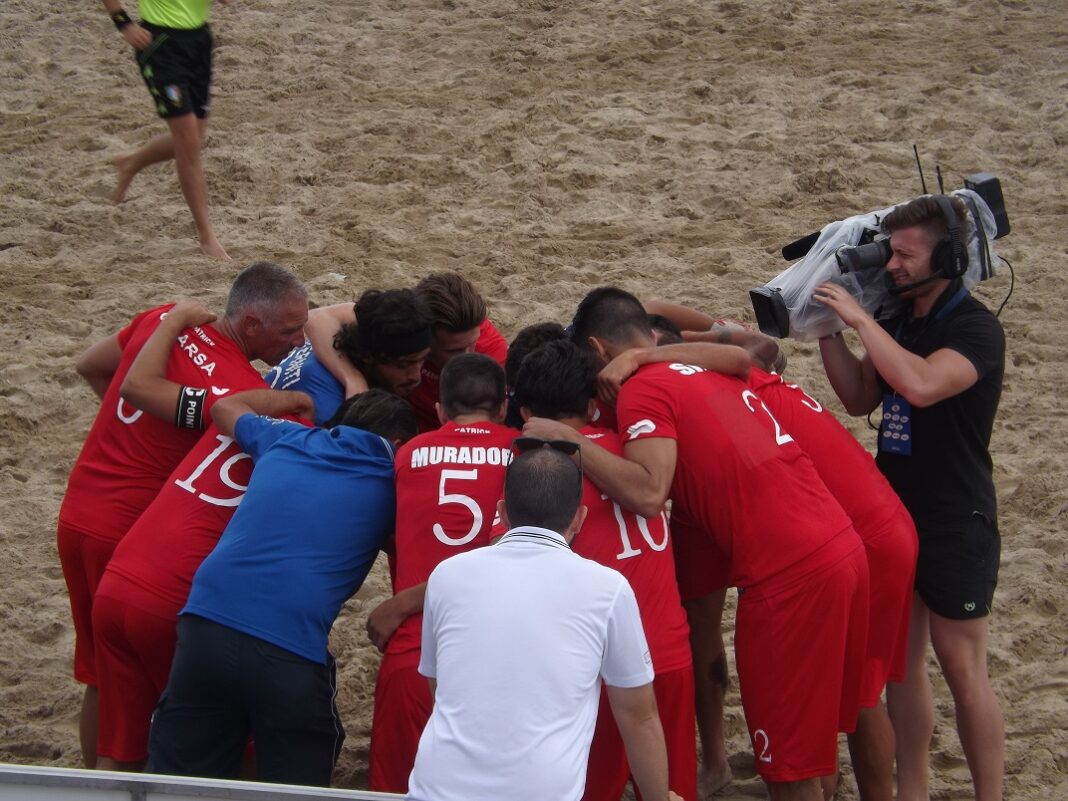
(176, 68)
(957, 568)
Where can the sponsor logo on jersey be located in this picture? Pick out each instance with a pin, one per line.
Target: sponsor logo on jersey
(686, 369)
(447, 454)
(645, 426)
(473, 430)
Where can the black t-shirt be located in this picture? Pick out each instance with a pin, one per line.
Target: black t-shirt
(949, 474)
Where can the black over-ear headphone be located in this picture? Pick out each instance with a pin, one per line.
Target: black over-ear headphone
(949, 257)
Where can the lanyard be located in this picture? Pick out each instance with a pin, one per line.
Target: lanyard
(951, 304)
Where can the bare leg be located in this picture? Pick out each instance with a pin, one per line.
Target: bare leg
(186, 136)
(805, 790)
(871, 747)
(911, 707)
(190, 139)
(157, 149)
(107, 763)
(829, 784)
(87, 727)
(710, 686)
(960, 646)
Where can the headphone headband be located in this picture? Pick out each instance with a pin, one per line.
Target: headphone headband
(954, 263)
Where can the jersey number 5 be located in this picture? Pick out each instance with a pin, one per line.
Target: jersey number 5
(464, 500)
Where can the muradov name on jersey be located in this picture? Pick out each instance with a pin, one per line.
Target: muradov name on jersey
(447, 454)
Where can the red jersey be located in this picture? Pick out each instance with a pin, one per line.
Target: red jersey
(640, 549)
(604, 415)
(448, 485)
(739, 476)
(128, 454)
(184, 522)
(846, 468)
(424, 396)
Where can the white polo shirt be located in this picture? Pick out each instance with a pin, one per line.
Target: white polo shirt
(518, 636)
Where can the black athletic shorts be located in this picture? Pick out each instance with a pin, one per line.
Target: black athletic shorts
(957, 569)
(176, 68)
(226, 686)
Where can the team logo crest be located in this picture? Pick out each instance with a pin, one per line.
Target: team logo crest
(174, 94)
(646, 426)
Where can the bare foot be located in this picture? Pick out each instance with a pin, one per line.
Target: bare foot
(210, 246)
(126, 172)
(710, 781)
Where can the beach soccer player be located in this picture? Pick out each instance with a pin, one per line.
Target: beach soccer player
(448, 483)
(136, 606)
(517, 638)
(129, 454)
(704, 439)
(252, 656)
(387, 344)
(558, 381)
(457, 315)
(458, 318)
(173, 48)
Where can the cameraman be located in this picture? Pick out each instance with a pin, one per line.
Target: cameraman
(937, 371)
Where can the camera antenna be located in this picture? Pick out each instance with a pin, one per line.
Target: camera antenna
(923, 183)
(938, 173)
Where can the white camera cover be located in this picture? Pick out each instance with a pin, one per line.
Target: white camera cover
(810, 319)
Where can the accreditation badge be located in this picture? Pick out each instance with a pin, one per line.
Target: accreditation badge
(895, 433)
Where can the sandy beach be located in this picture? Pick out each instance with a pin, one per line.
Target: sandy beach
(540, 148)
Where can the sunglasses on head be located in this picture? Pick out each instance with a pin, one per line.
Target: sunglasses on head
(524, 444)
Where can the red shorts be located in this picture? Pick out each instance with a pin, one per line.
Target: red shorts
(402, 708)
(608, 771)
(700, 567)
(799, 645)
(134, 649)
(83, 558)
(892, 568)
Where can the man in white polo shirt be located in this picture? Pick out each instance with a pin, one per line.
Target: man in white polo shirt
(516, 640)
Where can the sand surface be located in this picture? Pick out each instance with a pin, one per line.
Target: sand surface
(541, 148)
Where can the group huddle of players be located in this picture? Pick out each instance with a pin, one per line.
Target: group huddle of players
(769, 494)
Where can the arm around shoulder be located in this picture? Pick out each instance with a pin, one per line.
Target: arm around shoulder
(98, 363)
(146, 385)
(271, 402)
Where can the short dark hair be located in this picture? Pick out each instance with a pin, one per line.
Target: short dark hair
(526, 341)
(389, 325)
(471, 382)
(259, 287)
(609, 313)
(543, 488)
(557, 380)
(667, 333)
(379, 412)
(926, 213)
(451, 302)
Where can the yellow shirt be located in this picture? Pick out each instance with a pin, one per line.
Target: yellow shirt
(186, 14)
